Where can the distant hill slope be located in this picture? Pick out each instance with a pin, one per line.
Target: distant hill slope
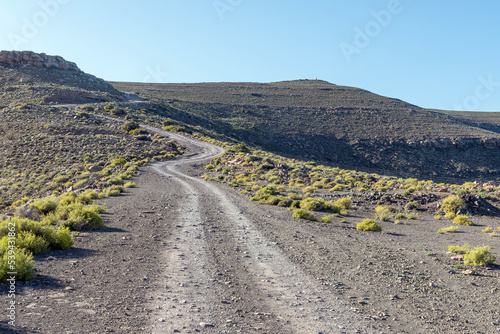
(28, 77)
(343, 126)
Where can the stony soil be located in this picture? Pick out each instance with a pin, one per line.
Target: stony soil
(183, 255)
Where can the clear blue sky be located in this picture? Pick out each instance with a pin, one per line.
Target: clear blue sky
(435, 54)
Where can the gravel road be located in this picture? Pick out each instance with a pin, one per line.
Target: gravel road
(223, 275)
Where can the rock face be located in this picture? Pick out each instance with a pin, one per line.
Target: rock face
(29, 58)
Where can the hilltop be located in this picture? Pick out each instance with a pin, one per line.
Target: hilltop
(29, 77)
(337, 125)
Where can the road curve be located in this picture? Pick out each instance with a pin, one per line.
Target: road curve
(223, 276)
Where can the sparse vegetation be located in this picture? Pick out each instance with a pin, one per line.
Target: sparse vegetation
(488, 229)
(479, 256)
(459, 249)
(383, 213)
(369, 225)
(452, 204)
(303, 214)
(462, 220)
(451, 229)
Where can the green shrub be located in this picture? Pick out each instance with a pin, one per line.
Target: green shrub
(488, 229)
(459, 249)
(45, 205)
(23, 265)
(450, 215)
(118, 161)
(270, 200)
(117, 112)
(344, 203)
(452, 203)
(167, 122)
(19, 202)
(337, 187)
(264, 193)
(309, 189)
(85, 217)
(285, 202)
(413, 215)
(369, 225)
(137, 132)
(31, 242)
(451, 229)
(462, 220)
(239, 148)
(66, 199)
(383, 213)
(303, 214)
(176, 128)
(129, 126)
(87, 197)
(327, 219)
(479, 256)
(82, 114)
(312, 204)
(64, 239)
(412, 205)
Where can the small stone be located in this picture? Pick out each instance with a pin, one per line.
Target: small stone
(161, 320)
(206, 324)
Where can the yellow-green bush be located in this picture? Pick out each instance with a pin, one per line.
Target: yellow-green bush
(64, 239)
(28, 238)
(451, 229)
(344, 203)
(327, 219)
(31, 242)
(84, 217)
(309, 189)
(479, 256)
(45, 205)
(369, 225)
(452, 203)
(450, 215)
(383, 213)
(462, 220)
(264, 193)
(312, 204)
(303, 214)
(22, 266)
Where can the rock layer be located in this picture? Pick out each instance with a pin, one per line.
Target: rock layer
(29, 58)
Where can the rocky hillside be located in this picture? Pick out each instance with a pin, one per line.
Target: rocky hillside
(337, 125)
(28, 77)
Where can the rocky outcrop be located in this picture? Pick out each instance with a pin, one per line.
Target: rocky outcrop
(29, 58)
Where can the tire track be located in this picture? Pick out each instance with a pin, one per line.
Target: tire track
(276, 296)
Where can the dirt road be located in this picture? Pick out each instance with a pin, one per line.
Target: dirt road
(223, 275)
